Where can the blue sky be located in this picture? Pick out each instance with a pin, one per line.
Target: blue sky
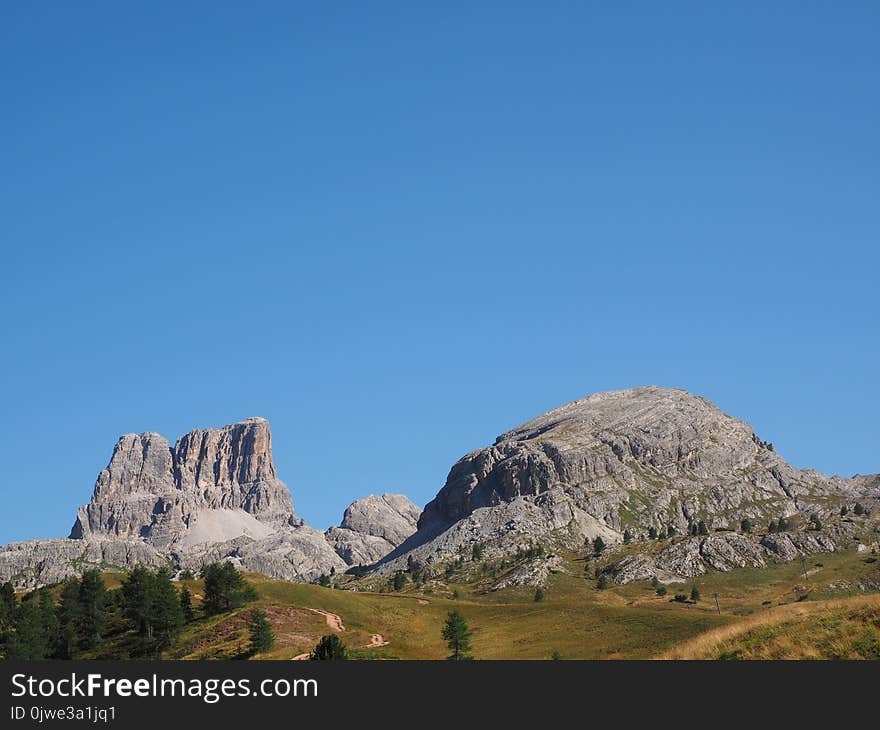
(398, 231)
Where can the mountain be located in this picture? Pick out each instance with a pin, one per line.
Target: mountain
(213, 484)
(633, 461)
(214, 495)
(372, 527)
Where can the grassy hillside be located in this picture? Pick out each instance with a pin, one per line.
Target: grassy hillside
(759, 612)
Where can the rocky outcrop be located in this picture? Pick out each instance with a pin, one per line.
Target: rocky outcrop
(632, 460)
(214, 496)
(159, 494)
(44, 562)
(372, 527)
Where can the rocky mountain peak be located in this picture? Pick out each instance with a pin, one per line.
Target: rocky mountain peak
(157, 493)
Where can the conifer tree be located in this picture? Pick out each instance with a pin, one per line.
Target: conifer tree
(457, 636)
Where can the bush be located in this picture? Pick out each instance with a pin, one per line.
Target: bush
(627, 537)
(399, 580)
(746, 525)
(681, 598)
(477, 552)
(602, 583)
(661, 590)
(539, 594)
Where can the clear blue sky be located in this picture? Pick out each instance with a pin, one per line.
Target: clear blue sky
(397, 231)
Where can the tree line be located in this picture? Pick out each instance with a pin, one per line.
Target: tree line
(144, 617)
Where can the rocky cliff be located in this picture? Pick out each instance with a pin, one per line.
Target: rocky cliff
(163, 495)
(372, 527)
(640, 460)
(214, 495)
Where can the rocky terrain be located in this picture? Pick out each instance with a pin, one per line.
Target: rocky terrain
(626, 466)
(372, 527)
(640, 461)
(214, 495)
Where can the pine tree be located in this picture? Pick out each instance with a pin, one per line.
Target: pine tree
(92, 605)
(627, 537)
(457, 636)
(7, 606)
(844, 511)
(138, 598)
(695, 594)
(167, 613)
(262, 638)
(746, 525)
(816, 522)
(186, 606)
(670, 531)
(330, 647)
(68, 621)
(602, 583)
(782, 525)
(539, 594)
(399, 580)
(652, 533)
(225, 589)
(859, 509)
(773, 526)
(598, 546)
(701, 528)
(477, 552)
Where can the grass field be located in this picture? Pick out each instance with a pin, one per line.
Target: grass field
(759, 615)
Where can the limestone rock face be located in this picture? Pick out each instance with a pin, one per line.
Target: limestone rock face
(372, 527)
(627, 460)
(44, 562)
(213, 496)
(156, 493)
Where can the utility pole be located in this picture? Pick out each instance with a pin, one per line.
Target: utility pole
(717, 605)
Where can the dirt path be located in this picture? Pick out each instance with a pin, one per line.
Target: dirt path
(300, 657)
(334, 620)
(376, 640)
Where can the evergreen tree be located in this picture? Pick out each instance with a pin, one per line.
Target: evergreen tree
(701, 528)
(652, 532)
(399, 580)
(262, 638)
(598, 546)
(782, 525)
(26, 639)
(477, 552)
(627, 537)
(746, 525)
(844, 511)
(68, 613)
(773, 526)
(186, 606)
(602, 583)
(225, 589)
(695, 594)
(694, 530)
(670, 531)
(661, 590)
(330, 647)
(457, 636)
(539, 594)
(859, 509)
(138, 598)
(186, 575)
(167, 613)
(92, 606)
(7, 606)
(815, 521)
